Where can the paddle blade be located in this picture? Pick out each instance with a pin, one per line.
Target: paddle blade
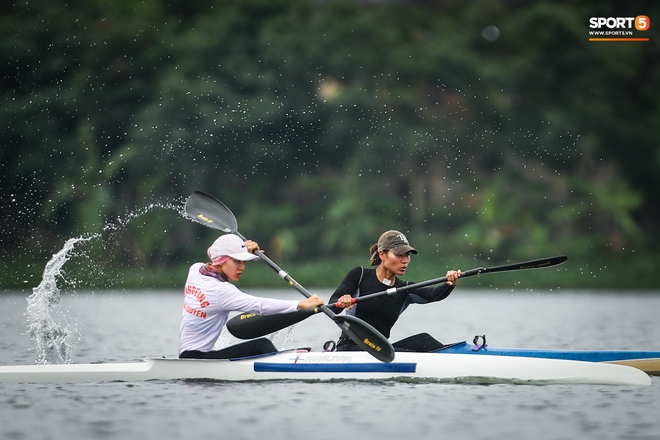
(250, 325)
(534, 264)
(207, 210)
(366, 337)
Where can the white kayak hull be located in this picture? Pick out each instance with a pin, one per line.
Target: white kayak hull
(290, 365)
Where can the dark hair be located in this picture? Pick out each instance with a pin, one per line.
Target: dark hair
(374, 258)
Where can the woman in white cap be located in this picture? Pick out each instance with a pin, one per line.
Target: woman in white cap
(391, 255)
(209, 297)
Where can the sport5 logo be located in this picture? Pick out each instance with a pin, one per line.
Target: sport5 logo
(641, 22)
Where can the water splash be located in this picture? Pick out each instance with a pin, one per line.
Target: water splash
(121, 223)
(289, 335)
(226, 339)
(48, 326)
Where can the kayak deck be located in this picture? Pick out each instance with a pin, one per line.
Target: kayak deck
(645, 360)
(315, 366)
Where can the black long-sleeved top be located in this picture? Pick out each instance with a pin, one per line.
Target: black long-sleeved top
(383, 312)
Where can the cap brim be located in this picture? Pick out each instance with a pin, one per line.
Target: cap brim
(402, 249)
(244, 256)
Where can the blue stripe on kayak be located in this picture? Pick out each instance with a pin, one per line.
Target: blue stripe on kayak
(574, 355)
(372, 367)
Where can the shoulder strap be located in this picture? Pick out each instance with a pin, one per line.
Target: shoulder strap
(357, 291)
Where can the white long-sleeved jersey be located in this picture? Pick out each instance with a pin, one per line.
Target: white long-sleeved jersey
(207, 304)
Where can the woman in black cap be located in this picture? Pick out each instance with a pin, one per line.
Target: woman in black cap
(391, 255)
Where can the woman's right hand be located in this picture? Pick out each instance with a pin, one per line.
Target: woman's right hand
(311, 302)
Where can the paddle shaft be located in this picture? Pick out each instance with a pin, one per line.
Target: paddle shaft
(250, 326)
(284, 275)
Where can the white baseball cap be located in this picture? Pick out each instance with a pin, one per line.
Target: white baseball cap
(230, 245)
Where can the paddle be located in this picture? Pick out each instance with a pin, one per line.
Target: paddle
(209, 211)
(249, 326)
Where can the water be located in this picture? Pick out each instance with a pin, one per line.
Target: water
(127, 326)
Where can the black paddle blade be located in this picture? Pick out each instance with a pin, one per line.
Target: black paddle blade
(366, 337)
(207, 210)
(250, 325)
(534, 264)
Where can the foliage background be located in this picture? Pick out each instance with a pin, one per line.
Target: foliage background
(322, 124)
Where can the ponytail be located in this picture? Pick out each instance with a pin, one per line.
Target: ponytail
(374, 258)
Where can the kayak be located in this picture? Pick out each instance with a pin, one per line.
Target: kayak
(322, 366)
(645, 360)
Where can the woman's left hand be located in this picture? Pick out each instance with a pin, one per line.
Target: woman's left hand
(453, 276)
